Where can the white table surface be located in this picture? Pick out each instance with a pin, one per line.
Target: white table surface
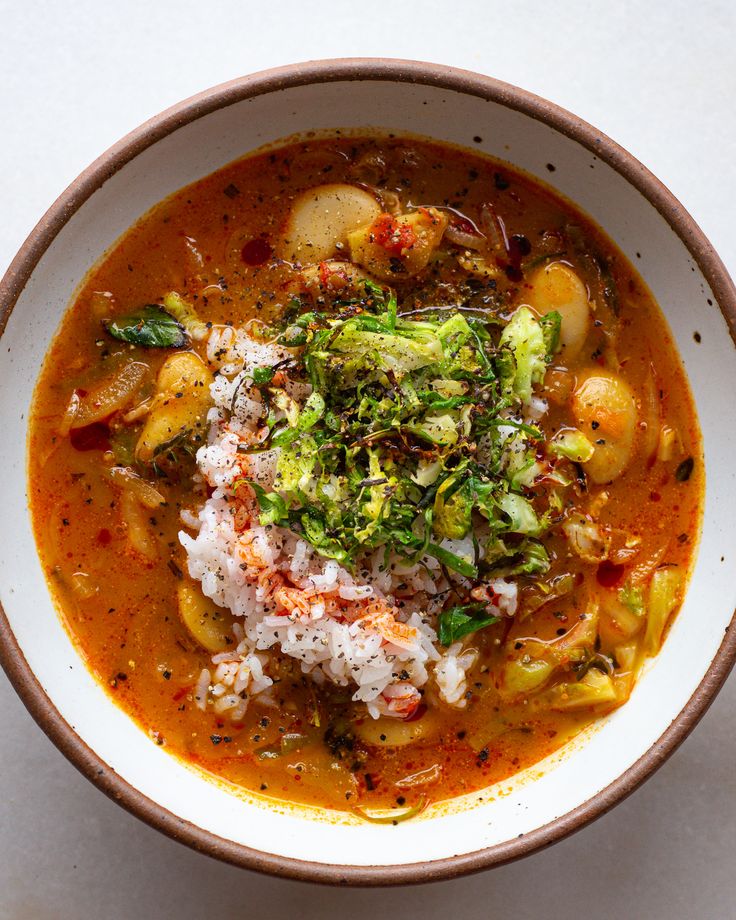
(658, 77)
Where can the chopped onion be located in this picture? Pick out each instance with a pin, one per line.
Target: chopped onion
(392, 818)
(465, 238)
(110, 395)
(143, 491)
(494, 229)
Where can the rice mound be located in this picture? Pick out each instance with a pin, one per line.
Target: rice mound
(373, 631)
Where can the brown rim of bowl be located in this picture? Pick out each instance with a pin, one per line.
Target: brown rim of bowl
(15, 279)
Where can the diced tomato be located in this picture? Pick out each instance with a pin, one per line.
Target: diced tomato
(391, 235)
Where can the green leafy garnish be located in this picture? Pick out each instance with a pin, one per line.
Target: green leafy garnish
(271, 504)
(572, 444)
(457, 622)
(525, 358)
(262, 375)
(413, 434)
(151, 327)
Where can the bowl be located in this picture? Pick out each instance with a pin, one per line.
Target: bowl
(588, 776)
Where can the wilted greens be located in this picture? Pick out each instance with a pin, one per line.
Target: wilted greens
(415, 437)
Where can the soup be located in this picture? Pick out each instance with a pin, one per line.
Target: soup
(365, 474)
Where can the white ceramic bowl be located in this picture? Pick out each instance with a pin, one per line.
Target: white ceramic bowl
(686, 277)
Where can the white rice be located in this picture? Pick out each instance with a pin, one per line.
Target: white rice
(375, 634)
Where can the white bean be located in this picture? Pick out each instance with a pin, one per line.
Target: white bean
(557, 287)
(605, 410)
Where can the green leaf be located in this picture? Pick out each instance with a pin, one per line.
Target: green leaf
(314, 532)
(551, 324)
(262, 375)
(525, 359)
(271, 504)
(452, 561)
(529, 558)
(310, 414)
(572, 444)
(151, 327)
(523, 518)
(453, 507)
(457, 622)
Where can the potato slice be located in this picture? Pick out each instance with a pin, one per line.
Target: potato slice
(208, 624)
(136, 520)
(605, 409)
(180, 406)
(387, 732)
(557, 287)
(392, 248)
(321, 219)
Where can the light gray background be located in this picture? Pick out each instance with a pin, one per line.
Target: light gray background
(660, 78)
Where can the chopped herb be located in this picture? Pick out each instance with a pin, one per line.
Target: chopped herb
(462, 621)
(151, 327)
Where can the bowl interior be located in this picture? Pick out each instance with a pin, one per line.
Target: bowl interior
(195, 149)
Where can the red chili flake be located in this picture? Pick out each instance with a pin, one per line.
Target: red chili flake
(256, 252)
(391, 235)
(104, 537)
(92, 437)
(182, 691)
(609, 574)
(655, 496)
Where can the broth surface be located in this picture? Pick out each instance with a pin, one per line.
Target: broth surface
(115, 563)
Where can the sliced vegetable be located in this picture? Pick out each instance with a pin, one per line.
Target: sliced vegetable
(526, 675)
(178, 413)
(572, 444)
(664, 595)
(594, 689)
(208, 624)
(185, 314)
(524, 354)
(128, 479)
(391, 817)
(110, 395)
(633, 597)
(136, 521)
